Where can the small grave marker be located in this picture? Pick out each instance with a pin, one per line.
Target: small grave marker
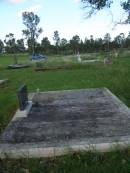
(4, 81)
(22, 97)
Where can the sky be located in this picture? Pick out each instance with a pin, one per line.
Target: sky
(66, 16)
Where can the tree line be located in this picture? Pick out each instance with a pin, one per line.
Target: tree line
(61, 45)
(64, 46)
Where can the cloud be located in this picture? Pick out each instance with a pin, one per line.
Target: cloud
(34, 9)
(77, 1)
(16, 1)
(19, 1)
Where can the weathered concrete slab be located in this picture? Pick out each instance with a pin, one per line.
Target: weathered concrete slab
(60, 121)
(90, 61)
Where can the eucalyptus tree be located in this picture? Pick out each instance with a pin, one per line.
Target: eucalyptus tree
(63, 45)
(93, 6)
(56, 38)
(45, 44)
(75, 41)
(120, 40)
(98, 44)
(11, 46)
(92, 43)
(20, 45)
(32, 32)
(107, 39)
(9, 42)
(63, 42)
(1, 46)
(127, 41)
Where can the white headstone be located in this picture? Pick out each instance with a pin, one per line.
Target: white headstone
(79, 58)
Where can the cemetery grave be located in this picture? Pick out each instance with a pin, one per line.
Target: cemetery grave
(49, 66)
(18, 66)
(55, 68)
(38, 57)
(55, 122)
(87, 59)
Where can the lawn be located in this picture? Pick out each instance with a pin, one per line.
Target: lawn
(115, 77)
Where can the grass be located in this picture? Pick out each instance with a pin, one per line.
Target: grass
(88, 162)
(115, 77)
(91, 56)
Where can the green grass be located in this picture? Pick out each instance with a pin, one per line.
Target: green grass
(88, 162)
(115, 77)
(91, 56)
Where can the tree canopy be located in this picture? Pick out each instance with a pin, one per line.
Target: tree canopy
(32, 32)
(56, 38)
(75, 43)
(95, 5)
(10, 43)
(67, 47)
(1, 46)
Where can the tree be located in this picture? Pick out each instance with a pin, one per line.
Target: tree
(45, 44)
(63, 45)
(92, 43)
(126, 7)
(56, 38)
(75, 43)
(127, 41)
(63, 42)
(11, 45)
(31, 21)
(1, 46)
(96, 5)
(20, 45)
(107, 39)
(120, 40)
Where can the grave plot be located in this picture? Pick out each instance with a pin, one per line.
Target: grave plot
(55, 122)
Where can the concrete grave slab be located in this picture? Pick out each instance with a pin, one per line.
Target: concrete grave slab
(57, 122)
(90, 61)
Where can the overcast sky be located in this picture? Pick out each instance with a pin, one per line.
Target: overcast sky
(66, 16)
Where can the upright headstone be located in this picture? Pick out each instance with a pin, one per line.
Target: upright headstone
(79, 58)
(22, 97)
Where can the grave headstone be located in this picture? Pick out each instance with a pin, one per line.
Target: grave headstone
(4, 81)
(22, 97)
(79, 58)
